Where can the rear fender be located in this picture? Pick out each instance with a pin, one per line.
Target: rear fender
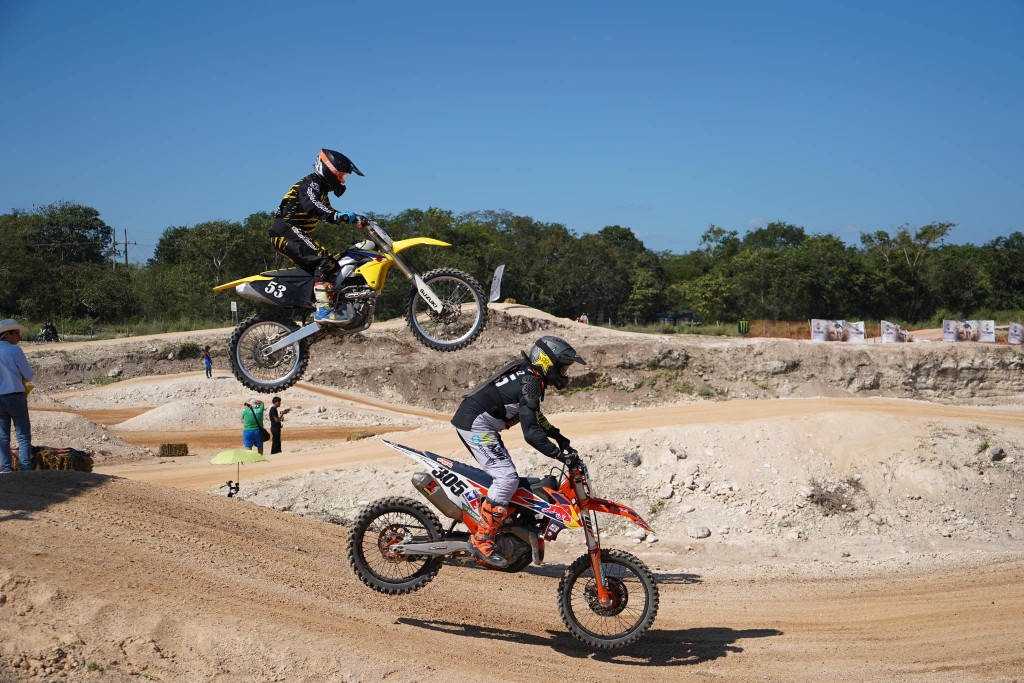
(234, 283)
(613, 508)
(279, 288)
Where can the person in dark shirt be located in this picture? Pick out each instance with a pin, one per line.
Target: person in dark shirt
(303, 206)
(50, 332)
(208, 362)
(276, 421)
(512, 395)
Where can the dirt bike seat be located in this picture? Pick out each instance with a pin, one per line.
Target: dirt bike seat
(538, 484)
(288, 274)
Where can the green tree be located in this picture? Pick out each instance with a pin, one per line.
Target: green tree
(712, 297)
(898, 264)
(774, 237)
(69, 233)
(719, 244)
(594, 283)
(645, 295)
(958, 277)
(833, 277)
(1005, 256)
(50, 253)
(644, 272)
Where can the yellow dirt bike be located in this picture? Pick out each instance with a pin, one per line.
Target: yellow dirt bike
(269, 352)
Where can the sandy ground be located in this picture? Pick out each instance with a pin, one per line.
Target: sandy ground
(143, 570)
(111, 580)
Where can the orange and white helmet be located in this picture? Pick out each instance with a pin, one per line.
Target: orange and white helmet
(333, 167)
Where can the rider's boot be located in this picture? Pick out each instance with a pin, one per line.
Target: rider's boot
(481, 546)
(325, 313)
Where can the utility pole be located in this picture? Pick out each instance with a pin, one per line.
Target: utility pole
(125, 244)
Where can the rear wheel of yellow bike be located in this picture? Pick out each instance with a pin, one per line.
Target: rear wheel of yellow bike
(259, 370)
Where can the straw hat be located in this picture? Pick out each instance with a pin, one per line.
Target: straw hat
(11, 324)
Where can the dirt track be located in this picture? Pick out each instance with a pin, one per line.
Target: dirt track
(198, 473)
(179, 585)
(144, 575)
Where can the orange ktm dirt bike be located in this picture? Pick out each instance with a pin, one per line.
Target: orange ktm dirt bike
(268, 352)
(607, 598)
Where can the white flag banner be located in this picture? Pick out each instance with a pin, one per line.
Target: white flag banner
(496, 283)
(853, 332)
(987, 331)
(1016, 335)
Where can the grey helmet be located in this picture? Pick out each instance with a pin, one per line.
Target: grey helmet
(552, 357)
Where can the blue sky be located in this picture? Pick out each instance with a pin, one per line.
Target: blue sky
(661, 116)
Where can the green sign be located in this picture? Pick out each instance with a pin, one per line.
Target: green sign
(743, 326)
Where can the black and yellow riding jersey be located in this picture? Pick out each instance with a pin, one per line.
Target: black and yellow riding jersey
(306, 203)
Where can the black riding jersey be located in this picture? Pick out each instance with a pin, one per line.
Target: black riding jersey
(512, 397)
(306, 203)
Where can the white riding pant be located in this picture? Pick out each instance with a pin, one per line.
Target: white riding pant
(494, 458)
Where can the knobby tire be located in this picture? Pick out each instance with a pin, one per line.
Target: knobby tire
(380, 524)
(630, 618)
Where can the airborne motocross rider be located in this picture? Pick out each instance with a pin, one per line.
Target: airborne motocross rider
(512, 395)
(303, 206)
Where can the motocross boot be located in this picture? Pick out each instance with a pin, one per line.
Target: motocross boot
(325, 313)
(481, 546)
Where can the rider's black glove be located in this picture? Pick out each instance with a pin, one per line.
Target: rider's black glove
(563, 443)
(570, 458)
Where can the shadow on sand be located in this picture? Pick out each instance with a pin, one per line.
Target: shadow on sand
(24, 493)
(657, 648)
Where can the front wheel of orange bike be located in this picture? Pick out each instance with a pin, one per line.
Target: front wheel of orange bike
(633, 593)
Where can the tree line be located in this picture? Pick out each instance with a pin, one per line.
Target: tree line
(60, 264)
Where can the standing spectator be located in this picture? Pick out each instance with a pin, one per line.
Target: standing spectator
(208, 362)
(252, 424)
(583, 319)
(276, 421)
(14, 373)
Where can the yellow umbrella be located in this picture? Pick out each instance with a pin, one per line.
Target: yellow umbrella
(236, 456)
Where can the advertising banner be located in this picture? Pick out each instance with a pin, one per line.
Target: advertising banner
(1016, 335)
(969, 330)
(891, 332)
(987, 333)
(836, 330)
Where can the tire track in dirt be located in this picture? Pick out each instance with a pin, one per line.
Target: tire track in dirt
(190, 582)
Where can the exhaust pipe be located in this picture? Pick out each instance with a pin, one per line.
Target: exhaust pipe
(432, 491)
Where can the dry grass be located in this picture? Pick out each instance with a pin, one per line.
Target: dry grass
(46, 458)
(833, 498)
